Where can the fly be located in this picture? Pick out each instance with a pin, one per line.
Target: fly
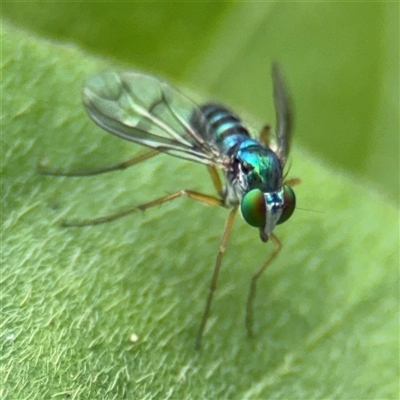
(147, 111)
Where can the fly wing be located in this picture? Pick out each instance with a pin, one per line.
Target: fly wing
(284, 115)
(147, 111)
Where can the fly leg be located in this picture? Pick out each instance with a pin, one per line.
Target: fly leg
(216, 180)
(253, 283)
(292, 182)
(200, 197)
(44, 170)
(265, 135)
(213, 285)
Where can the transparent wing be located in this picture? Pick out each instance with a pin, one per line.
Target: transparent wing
(284, 114)
(147, 111)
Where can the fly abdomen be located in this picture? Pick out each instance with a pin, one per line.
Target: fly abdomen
(220, 126)
(222, 121)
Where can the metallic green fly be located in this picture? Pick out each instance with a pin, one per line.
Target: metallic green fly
(144, 110)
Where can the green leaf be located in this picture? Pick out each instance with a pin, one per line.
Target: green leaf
(326, 311)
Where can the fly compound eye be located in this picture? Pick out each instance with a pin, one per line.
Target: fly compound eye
(289, 204)
(253, 208)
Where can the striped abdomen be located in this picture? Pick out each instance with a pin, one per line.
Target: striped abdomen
(221, 126)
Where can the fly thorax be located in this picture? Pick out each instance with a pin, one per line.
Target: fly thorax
(255, 167)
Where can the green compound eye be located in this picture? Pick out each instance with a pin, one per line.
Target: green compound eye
(253, 208)
(289, 204)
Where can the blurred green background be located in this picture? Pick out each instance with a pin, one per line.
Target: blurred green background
(326, 312)
(342, 60)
